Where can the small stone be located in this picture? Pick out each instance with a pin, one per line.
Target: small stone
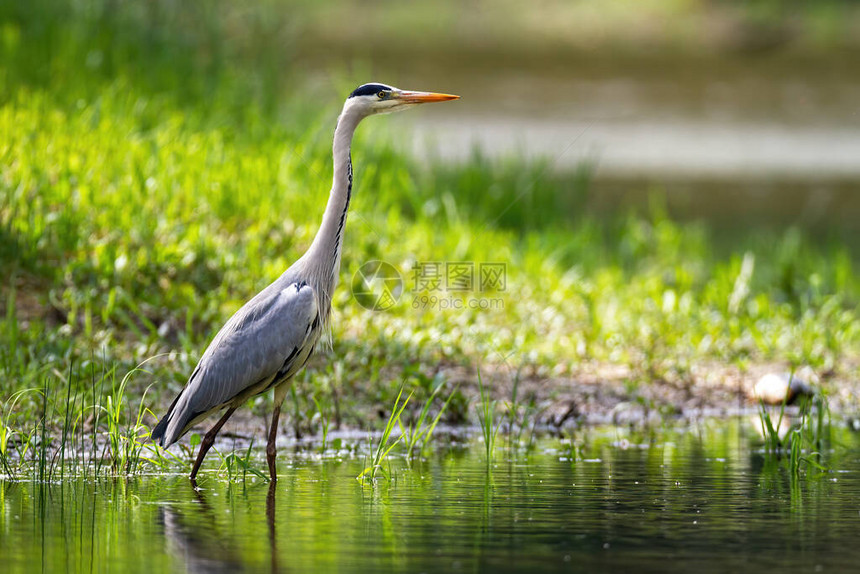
(773, 388)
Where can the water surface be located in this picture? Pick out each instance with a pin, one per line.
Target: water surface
(703, 498)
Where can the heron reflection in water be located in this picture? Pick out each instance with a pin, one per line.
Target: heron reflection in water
(192, 537)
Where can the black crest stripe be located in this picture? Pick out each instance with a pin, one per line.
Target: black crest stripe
(369, 90)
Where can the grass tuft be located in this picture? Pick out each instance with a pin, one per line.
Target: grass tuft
(487, 420)
(385, 444)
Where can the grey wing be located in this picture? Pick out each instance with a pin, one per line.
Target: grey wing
(252, 348)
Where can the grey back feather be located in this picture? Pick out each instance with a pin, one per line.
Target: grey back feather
(249, 350)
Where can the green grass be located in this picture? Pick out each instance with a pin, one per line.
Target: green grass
(487, 420)
(386, 442)
(771, 431)
(234, 464)
(421, 430)
(806, 440)
(325, 423)
(77, 432)
(150, 184)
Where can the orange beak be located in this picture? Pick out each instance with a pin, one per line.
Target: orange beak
(424, 97)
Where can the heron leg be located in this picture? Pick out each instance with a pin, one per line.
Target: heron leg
(272, 447)
(209, 440)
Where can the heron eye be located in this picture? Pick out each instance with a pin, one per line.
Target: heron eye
(381, 95)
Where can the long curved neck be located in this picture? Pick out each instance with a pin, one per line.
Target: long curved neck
(323, 256)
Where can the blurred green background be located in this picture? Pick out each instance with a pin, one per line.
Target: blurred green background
(672, 185)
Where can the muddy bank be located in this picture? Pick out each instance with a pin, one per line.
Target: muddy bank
(600, 394)
(611, 394)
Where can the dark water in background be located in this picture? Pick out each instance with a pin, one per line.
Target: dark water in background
(771, 140)
(703, 498)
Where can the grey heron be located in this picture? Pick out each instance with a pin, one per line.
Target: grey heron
(272, 336)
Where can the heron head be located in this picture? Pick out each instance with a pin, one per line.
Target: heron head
(374, 98)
